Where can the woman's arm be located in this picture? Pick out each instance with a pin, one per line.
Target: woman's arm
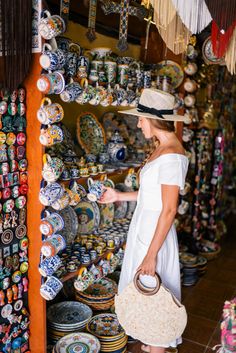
(170, 195)
(111, 195)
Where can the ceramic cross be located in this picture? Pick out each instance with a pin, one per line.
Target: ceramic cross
(64, 10)
(125, 10)
(92, 20)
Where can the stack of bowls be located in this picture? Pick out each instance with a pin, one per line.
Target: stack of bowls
(201, 265)
(66, 317)
(111, 335)
(77, 342)
(190, 268)
(100, 295)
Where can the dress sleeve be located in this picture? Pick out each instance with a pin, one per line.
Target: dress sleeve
(171, 173)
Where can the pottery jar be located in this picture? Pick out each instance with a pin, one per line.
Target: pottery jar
(116, 148)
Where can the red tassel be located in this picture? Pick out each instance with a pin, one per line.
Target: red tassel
(220, 39)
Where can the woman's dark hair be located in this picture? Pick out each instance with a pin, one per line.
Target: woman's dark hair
(163, 125)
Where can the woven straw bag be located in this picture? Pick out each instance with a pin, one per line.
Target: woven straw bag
(153, 316)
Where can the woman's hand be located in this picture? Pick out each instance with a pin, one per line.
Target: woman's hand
(148, 266)
(109, 195)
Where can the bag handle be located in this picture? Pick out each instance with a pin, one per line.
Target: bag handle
(144, 290)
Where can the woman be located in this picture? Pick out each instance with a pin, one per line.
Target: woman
(152, 241)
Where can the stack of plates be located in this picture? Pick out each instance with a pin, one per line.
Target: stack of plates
(100, 295)
(109, 332)
(67, 317)
(77, 342)
(202, 265)
(190, 268)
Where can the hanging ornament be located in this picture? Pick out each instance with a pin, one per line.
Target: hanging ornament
(193, 13)
(64, 10)
(92, 20)
(230, 55)
(223, 14)
(125, 10)
(174, 33)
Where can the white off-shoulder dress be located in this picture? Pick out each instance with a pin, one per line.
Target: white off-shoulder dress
(168, 169)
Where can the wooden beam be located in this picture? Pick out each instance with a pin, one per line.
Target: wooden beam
(34, 151)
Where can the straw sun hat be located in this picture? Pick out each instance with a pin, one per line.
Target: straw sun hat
(156, 104)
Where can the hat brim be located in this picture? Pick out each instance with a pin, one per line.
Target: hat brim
(182, 118)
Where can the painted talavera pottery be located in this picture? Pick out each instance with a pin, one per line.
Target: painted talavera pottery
(52, 168)
(88, 217)
(171, 69)
(49, 112)
(90, 133)
(78, 342)
(95, 189)
(51, 288)
(116, 148)
(51, 26)
(49, 265)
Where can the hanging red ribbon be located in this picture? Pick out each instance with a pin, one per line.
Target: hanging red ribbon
(220, 38)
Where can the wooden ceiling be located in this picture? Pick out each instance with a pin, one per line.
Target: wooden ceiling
(105, 24)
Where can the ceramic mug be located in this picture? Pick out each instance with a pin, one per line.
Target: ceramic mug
(71, 64)
(49, 112)
(71, 92)
(48, 266)
(52, 135)
(51, 224)
(93, 169)
(52, 60)
(83, 61)
(84, 172)
(51, 26)
(53, 245)
(51, 83)
(74, 172)
(84, 279)
(50, 193)
(95, 189)
(52, 168)
(51, 288)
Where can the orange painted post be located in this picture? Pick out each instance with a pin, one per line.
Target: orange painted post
(37, 306)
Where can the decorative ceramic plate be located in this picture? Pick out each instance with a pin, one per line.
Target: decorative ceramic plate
(90, 133)
(68, 314)
(208, 55)
(88, 217)
(78, 342)
(71, 224)
(105, 325)
(172, 70)
(102, 287)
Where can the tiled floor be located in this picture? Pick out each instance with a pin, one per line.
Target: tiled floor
(204, 301)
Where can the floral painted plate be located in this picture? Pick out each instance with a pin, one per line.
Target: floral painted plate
(102, 288)
(78, 342)
(208, 55)
(172, 70)
(68, 314)
(88, 217)
(105, 325)
(90, 133)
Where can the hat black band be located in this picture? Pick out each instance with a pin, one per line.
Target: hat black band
(143, 109)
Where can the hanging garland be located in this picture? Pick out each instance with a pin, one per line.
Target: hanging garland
(194, 14)
(172, 30)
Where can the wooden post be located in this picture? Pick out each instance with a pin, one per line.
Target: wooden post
(34, 150)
